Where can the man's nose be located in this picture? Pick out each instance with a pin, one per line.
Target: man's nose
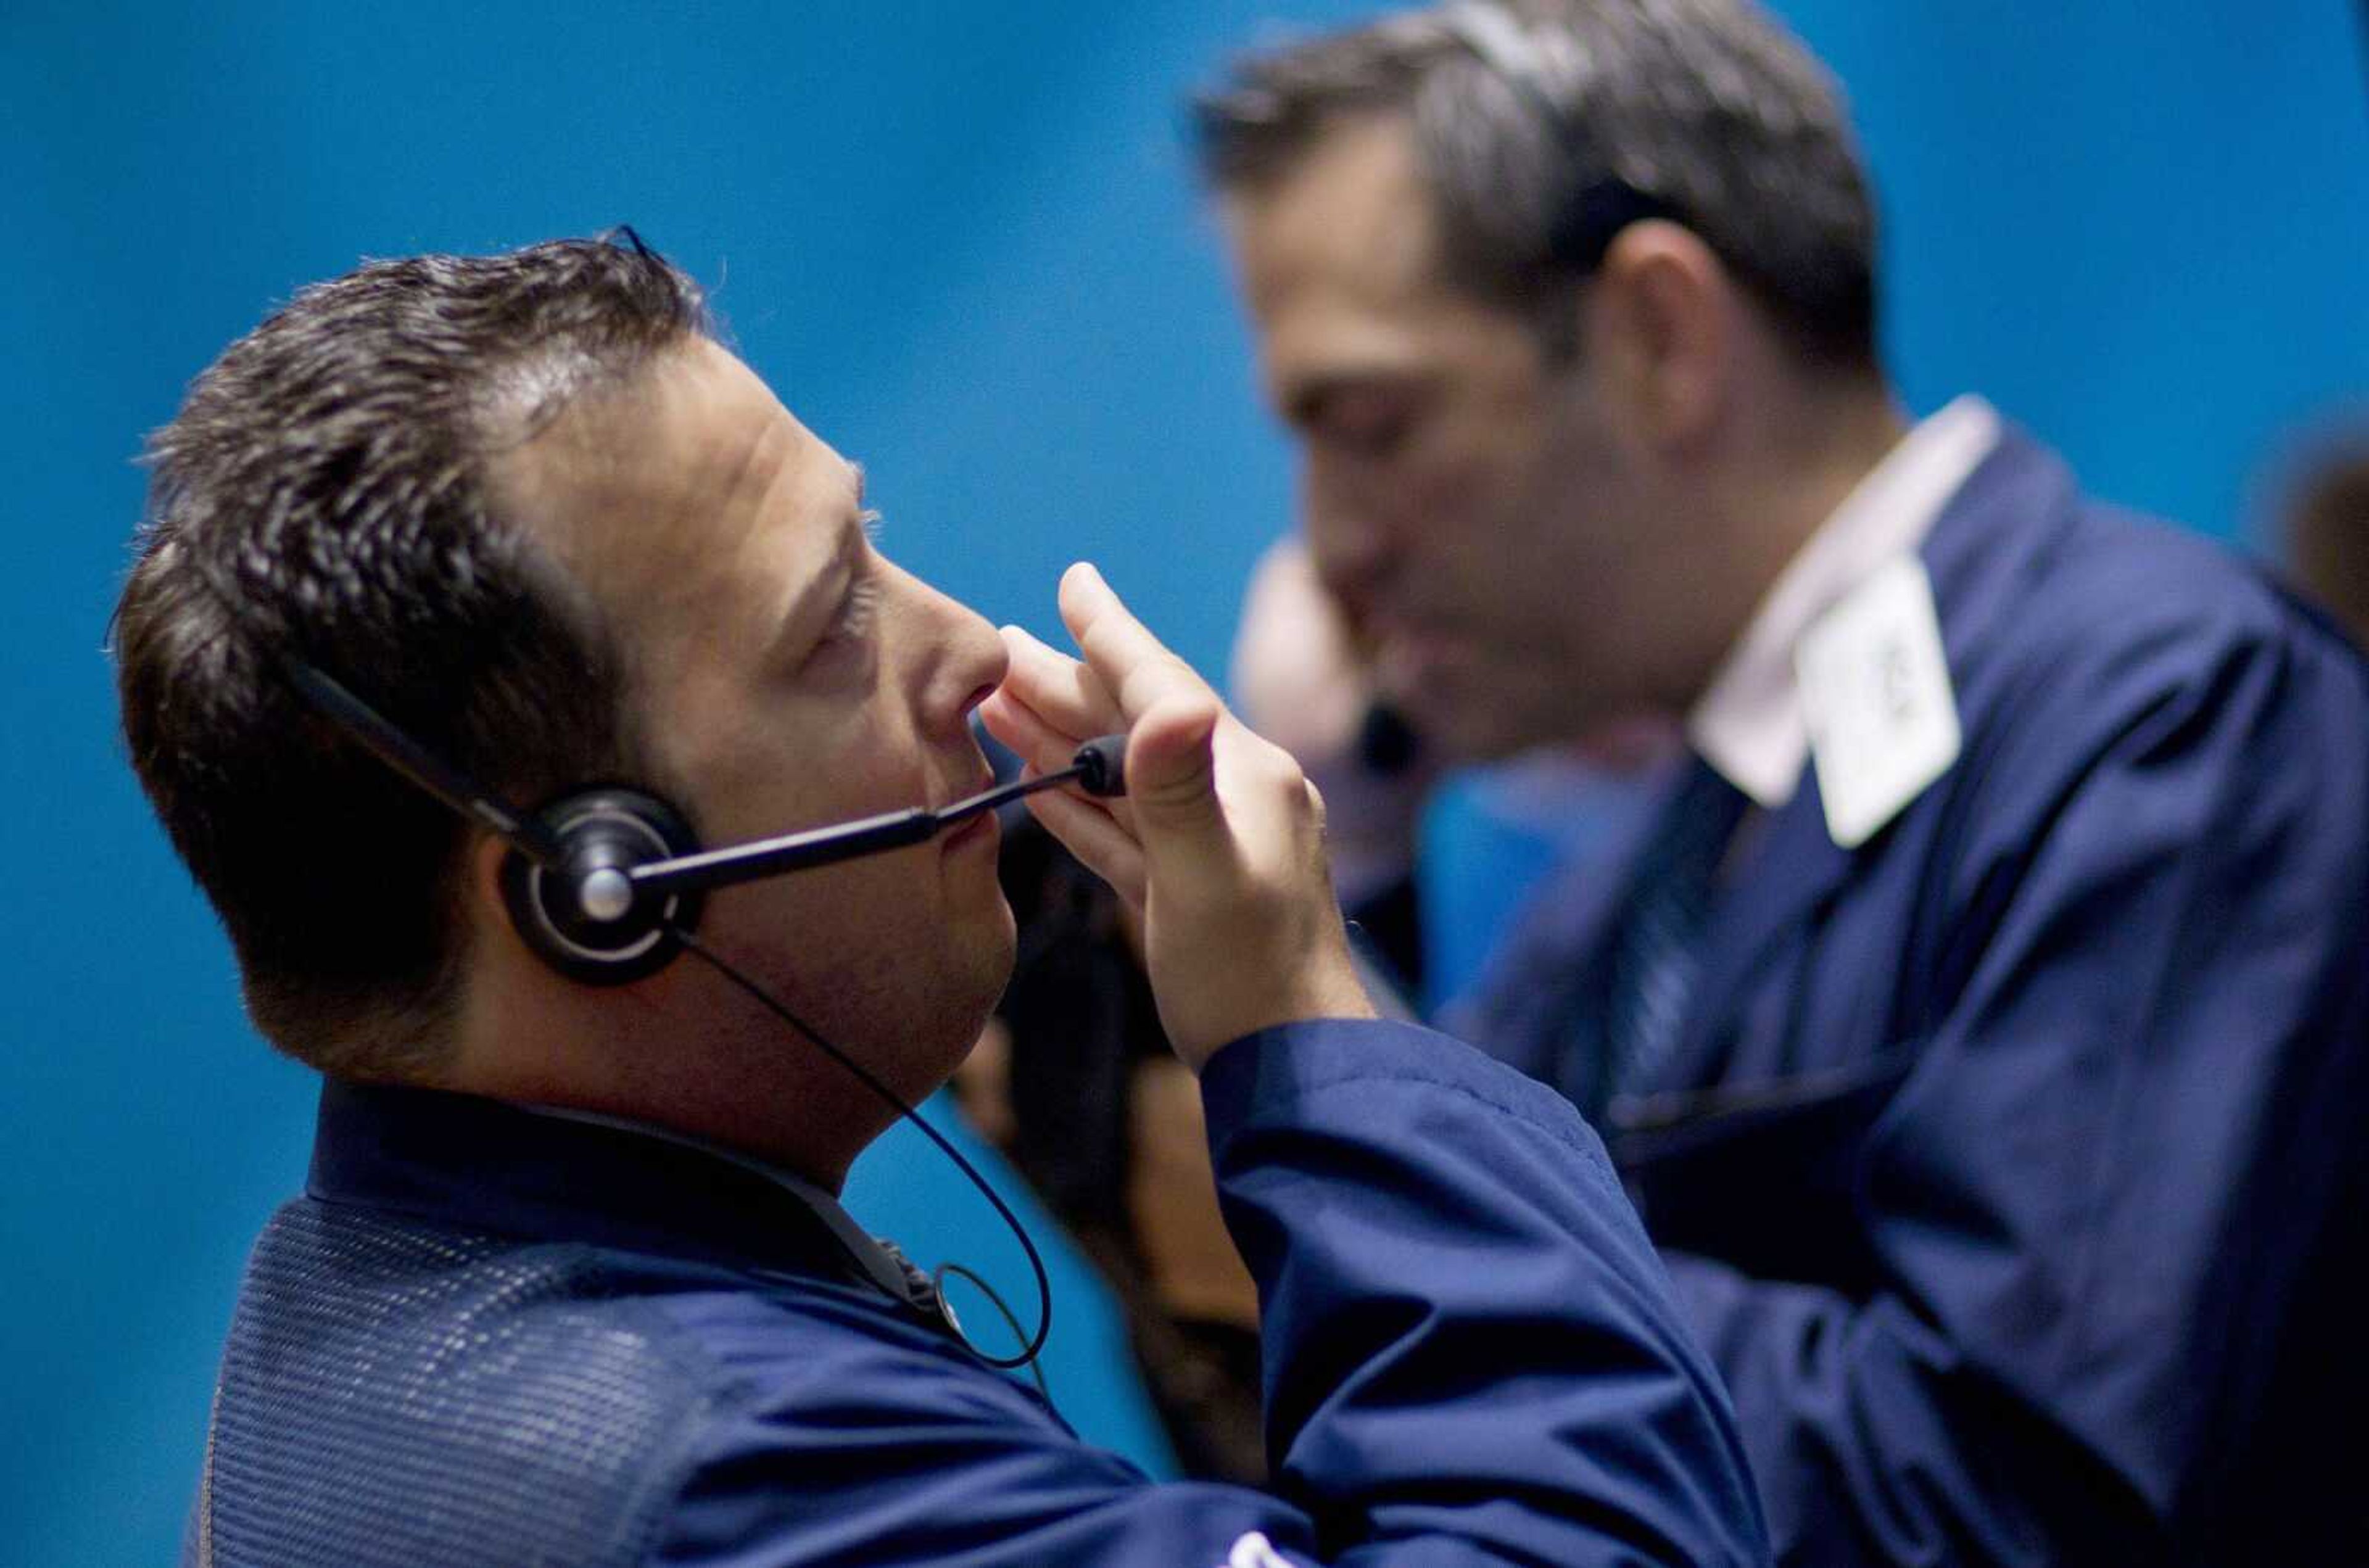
(1347, 538)
(970, 664)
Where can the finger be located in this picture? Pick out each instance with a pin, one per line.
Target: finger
(1092, 835)
(1171, 774)
(1065, 692)
(1297, 675)
(1040, 747)
(1134, 665)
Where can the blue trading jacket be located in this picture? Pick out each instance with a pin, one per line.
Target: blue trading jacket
(2012, 1166)
(486, 1336)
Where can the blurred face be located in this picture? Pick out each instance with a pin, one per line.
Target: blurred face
(1464, 496)
(787, 675)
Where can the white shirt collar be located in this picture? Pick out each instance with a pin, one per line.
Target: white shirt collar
(1748, 723)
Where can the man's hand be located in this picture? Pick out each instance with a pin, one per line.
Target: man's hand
(1305, 682)
(1219, 840)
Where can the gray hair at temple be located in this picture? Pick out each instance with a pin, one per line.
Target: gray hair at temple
(1526, 111)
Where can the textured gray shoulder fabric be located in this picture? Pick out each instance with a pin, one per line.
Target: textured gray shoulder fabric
(399, 1395)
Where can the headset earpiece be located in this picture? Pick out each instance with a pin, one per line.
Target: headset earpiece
(587, 922)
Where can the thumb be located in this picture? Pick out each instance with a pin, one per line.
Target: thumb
(1171, 779)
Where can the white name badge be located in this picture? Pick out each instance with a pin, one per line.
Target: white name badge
(1875, 691)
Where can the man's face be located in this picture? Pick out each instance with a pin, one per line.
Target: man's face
(1463, 493)
(785, 675)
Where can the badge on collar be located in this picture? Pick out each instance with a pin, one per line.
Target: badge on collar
(1875, 692)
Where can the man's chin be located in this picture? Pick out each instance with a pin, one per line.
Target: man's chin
(997, 949)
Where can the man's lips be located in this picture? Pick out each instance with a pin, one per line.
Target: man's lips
(1415, 644)
(1404, 623)
(966, 831)
(969, 831)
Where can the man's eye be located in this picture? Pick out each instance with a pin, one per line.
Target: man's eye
(1365, 427)
(853, 623)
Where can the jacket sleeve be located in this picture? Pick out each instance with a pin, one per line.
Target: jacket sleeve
(2106, 1204)
(1471, 1355)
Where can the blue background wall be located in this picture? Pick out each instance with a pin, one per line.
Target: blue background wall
(961, 241)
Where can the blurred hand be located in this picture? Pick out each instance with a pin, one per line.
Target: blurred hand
(983, 1087)
(1172, 1199)
(1219, 840)
(1304, 682)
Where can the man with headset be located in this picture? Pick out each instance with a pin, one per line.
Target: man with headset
(568, 1282)
(1980, 1017)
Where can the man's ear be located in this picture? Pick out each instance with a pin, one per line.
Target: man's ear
(483, 905)
(494, 934)
(1662, 333)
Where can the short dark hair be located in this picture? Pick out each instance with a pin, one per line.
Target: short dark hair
(325, 494)
(2326, 527)
(1521, 109)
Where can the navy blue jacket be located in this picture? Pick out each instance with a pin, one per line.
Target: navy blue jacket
(2011, 1166)
(485, 1335)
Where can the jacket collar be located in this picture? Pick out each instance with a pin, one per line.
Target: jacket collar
(484, 1165)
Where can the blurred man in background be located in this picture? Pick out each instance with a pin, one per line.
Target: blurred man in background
(1980, 1015)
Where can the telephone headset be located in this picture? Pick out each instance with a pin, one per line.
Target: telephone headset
(605, 886)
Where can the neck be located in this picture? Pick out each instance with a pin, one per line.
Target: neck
(1825, 446)
(1788, 474)
(671, 1054)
